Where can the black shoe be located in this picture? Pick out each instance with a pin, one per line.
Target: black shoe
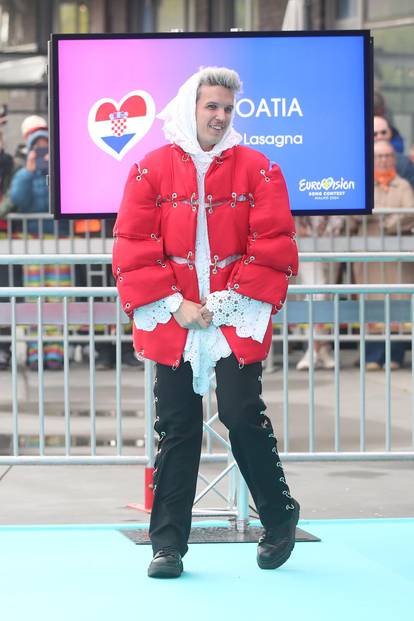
(166, 563)
(276, 544)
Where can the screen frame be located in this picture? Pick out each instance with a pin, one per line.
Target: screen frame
(53, 93)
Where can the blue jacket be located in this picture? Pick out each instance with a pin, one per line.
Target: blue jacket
(29, 194)
(405, 168)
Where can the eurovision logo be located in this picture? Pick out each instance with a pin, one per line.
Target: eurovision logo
(328, 183)
(327, 188)
(115, 127)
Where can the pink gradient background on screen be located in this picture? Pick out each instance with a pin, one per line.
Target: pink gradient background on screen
(92, 180)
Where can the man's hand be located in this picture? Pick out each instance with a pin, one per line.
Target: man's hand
(193, 316)
(206, 314)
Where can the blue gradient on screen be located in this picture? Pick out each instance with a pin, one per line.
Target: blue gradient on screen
(325, 74)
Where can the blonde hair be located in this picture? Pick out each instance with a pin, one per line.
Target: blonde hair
(219, 76)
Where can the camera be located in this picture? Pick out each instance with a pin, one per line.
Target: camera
(42, 165)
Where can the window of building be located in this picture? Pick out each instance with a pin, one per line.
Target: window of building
(18, 26)
(171, 14)
(384, 9)
(238, 14)
(394, 76)
(73, 17)
(345, 9)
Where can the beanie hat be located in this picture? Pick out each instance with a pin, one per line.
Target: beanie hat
(31, 124)
(32, 139)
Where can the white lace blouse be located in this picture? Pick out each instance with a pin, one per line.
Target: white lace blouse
(204, 347)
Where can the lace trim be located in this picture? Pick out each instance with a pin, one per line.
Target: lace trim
(146, 317)
(202, 249)
(203, 349)
(250, 317)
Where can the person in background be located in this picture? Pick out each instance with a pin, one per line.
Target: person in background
(317, 274)
(105, 351)
(29, 194)
(390, 192)
(28, 191)
(396, 139)
(404, 166)
(6, 168)
(6, 171)
(30, 124)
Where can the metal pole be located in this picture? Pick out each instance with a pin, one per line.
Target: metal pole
(387, 373)
(66, 376)
(362, 372)
(337, 385)
(311, 390)
(14, 377)
(242, 521)
(92, 402)
(118, 380)
(41, 385)
(285, 379)
(149, 412)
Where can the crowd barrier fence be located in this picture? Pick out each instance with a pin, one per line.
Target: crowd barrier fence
(342, 305)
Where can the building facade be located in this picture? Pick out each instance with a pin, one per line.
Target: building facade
(25, 26)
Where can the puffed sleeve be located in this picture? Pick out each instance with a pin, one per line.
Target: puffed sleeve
(271, 256)
(142, 272)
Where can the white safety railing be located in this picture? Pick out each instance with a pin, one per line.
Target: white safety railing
(81, 306)
(17, 238)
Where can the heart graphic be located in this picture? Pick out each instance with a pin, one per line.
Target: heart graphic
(115, 127)
(327, 183)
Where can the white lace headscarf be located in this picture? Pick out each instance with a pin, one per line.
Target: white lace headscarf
(180, 125)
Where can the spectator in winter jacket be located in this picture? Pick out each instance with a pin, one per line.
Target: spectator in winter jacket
(391, 192)
(404, 166)
(29, 192)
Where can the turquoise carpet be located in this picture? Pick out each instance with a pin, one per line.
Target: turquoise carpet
(362, 570)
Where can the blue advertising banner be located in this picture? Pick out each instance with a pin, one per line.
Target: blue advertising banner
(306, 104)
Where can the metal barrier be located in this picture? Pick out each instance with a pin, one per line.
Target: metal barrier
(17, 239)
(348, 241)
(70, 312)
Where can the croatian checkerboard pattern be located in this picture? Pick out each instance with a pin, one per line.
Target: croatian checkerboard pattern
(118, 126)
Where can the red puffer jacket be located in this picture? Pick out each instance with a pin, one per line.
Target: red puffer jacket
(250, 229)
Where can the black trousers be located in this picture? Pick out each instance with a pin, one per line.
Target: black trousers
(179, 424)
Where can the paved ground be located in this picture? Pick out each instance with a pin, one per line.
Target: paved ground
(100, 494)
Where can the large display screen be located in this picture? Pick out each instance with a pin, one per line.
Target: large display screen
(306, 104)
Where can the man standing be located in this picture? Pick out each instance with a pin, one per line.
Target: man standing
(204, 249)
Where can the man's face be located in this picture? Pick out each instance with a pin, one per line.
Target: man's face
(213, 114)
(384, 157)
(382, 130)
